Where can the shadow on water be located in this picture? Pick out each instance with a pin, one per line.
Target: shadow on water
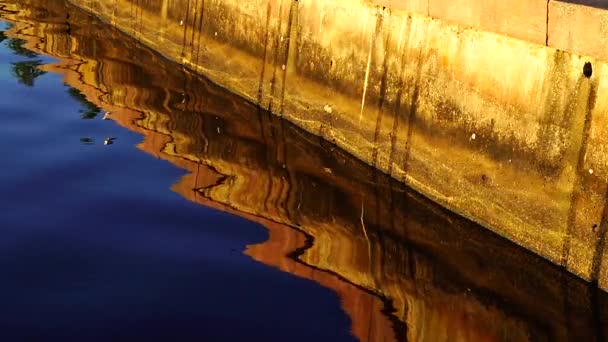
(89, 110)
(404, 268)
(25, 71)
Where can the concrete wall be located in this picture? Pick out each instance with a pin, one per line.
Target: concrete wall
(506, 132)
(578, 26)
(520, 19)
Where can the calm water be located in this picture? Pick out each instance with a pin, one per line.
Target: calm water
(94, 243)
(190, 214)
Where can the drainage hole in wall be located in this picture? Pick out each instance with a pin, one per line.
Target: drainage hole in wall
(587, 69)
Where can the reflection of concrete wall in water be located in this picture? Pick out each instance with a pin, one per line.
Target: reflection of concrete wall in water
(441, 274)
(500, 130)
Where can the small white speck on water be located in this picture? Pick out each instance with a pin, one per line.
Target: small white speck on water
(590, 171)
(181, 22)
(327, 109)
(219, 131)
(283, 66)
(215, 34)
(473, 136)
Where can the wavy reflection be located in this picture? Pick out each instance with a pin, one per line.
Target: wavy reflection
(404, 268)
(25, 71)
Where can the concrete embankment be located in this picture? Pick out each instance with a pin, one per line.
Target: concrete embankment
(501, 118)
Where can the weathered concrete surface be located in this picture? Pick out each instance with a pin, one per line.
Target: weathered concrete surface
(579, 28)
(418, 6)
(435, 275)
(525, 19)
(505, 132)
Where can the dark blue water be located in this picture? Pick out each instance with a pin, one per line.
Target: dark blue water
(95, 246)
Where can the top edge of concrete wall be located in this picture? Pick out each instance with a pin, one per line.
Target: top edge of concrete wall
(577, 26)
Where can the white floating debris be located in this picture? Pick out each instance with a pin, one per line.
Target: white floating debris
(590, 171)
(473, 136)
(106, 116)
(219, 130)
(327, 109)
(181, 22)
(109, 141)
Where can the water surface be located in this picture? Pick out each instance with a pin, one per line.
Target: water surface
(94, 244)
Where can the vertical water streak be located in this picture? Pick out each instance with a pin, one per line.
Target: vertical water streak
(277, 50)
(380, 23)
(401, 50)
(164, 9)
(588, 89)
(412, 110)
(369, 63)
(289, 62)
(184, 23)
(266, 39)
(200, 33)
